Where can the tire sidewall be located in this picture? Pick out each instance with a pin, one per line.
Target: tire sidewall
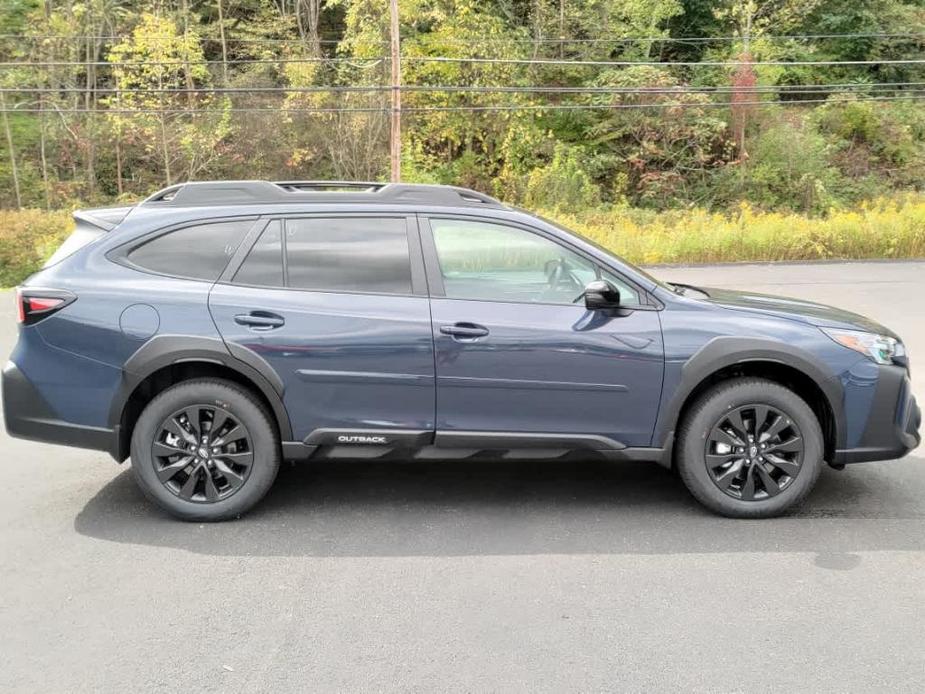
(704, 416)
(241, 405)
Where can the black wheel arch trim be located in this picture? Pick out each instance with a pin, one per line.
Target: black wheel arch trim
(165, 350)
(723, 352)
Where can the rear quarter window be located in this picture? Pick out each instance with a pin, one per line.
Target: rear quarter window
(197, 252)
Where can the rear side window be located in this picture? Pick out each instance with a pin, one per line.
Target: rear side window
(198, 252)
(349, 254)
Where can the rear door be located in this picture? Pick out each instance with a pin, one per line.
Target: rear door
(337, 306)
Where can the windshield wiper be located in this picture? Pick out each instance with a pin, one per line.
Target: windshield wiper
(682, 288)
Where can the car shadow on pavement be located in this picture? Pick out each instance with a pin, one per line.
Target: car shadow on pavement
(514, 507)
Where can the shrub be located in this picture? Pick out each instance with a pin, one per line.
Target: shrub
(787, 169)
(878, 145)
(562, 184)
(27, 238)
(884, 228)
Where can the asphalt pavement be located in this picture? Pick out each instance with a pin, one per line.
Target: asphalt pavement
(475, 577)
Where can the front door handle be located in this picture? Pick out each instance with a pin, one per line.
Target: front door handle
(464, 331)
(260, 320)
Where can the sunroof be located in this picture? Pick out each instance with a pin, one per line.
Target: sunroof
(330, 186)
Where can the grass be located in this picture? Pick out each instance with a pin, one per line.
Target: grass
(882, 228)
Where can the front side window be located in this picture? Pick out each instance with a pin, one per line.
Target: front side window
(349, 254)
(493, 262)
(198, 252)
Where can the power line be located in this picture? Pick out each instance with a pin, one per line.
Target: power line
(556, 40)
(184, 63)
(157, 39)
(449, 59)
(502, 108)
(691, 39)
(336, 89)
(655, 63)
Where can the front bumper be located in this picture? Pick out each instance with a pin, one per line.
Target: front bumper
(892, 428)
(27, 416)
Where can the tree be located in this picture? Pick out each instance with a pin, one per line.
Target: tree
(153, 108)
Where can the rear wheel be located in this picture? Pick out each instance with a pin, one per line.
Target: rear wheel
(750, 448)
(205, 450)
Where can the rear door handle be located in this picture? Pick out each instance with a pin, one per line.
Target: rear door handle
(464, 331)
(260, 320)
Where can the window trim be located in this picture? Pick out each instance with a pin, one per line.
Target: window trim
(120, 254)
(415, 253)
(435, 274)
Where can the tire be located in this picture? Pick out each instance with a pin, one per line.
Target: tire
(221, 479)
(736, 405)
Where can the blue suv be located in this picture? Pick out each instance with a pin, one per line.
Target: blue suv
(218, 328)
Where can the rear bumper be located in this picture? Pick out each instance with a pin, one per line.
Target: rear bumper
(893, 425)
(27, 416)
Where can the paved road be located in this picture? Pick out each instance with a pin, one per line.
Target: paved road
(513, 576)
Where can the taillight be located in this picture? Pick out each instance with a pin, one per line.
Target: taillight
(35, 304)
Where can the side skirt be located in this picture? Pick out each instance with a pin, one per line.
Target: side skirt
(391, 444)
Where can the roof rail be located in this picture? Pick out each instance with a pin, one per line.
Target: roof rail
(204, 193)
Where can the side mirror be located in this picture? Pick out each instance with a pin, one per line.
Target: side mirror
(601, 294)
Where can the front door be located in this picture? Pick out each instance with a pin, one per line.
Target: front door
(337, 306)
(516, 351)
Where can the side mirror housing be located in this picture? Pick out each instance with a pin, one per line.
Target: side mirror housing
(600, 294)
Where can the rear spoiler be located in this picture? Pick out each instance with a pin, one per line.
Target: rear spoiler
(105, 218)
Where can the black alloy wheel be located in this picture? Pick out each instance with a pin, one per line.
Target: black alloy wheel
(202, 453)
(754, 452)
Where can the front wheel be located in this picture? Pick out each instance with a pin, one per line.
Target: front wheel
(750, 448)
(205, 450)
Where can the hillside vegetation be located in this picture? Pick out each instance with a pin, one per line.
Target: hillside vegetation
(786, 105)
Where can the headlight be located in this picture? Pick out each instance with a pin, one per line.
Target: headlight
(881, 348)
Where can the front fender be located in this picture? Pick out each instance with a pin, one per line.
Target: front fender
(722, 352)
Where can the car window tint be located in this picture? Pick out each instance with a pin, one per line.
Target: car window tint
(264, 263)
(198, 252)
(361, 254)
(481, 260)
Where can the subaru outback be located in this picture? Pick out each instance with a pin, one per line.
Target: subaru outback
(218, 328)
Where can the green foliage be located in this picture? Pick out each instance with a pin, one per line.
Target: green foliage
(562, 184)
(655, 138)
(158, 56)
(27, 238)
(880, 148)
(661, 149)
(788, 168)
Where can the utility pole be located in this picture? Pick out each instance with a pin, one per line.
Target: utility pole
(395, 137)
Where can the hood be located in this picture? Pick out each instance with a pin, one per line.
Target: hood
(795, 309)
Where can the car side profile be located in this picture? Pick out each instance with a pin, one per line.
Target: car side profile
(218, 328)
